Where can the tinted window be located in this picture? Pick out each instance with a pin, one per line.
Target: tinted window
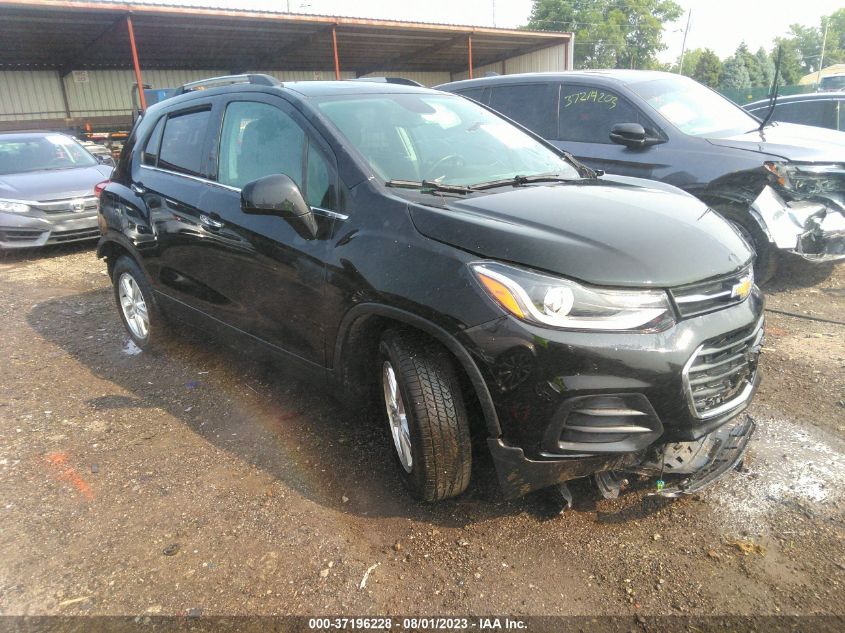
(261, 140)
(816, 112)
(532, 105)
(182, 142)
(150, 156)
(587, 114)
(476, 94)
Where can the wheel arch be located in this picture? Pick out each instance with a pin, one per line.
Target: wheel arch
(358, 337)
(112, 245)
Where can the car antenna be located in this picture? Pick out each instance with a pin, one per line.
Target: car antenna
(773, 96)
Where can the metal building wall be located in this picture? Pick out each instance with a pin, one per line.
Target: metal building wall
(28, 95)
(548, 59)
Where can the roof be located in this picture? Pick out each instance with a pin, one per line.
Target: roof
(329, 88)
(623, 76)
(806, 96)
(74, 35)
(811, 78)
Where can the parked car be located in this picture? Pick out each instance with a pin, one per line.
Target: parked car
(821, 109)
(832, 83)
(100, 152)
(422, 252)
(47, 185)
(782, 187)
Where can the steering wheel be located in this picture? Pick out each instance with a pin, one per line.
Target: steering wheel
(458, 160)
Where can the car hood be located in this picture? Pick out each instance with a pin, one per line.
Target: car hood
(599, 231)
(53, 184)
(791, 142)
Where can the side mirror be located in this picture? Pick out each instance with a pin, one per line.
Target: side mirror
(279, 195)
(631, 135)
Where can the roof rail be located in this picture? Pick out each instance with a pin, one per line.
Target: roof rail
(216, 82)
(391, 80)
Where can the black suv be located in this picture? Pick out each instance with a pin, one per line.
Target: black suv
(419, 249)
(781, 185)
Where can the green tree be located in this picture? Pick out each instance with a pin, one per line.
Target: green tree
(790, 65)
(766, 65)
(691, 58)
(609, 33)
(735, 75)
(709, 69)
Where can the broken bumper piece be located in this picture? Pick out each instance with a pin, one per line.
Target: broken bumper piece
(704, 462)
(809, 229)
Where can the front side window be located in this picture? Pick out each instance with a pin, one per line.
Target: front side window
(42, 153)
(587, 114)
(182, 142)
(694, 109)
(532, 105)
(820, 112)
(442, 138)
(260, 140)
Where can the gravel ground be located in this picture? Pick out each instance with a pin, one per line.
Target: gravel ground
(199, 482)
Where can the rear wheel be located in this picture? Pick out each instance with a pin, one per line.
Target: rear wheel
(136, 304)
(425, 415)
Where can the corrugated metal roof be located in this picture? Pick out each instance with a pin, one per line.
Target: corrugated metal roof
(73, 35)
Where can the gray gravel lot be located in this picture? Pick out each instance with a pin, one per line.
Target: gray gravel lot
(198, 481)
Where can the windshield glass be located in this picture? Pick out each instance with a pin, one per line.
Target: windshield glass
(835, 82)
(35, 153)
(441, 138)
(694, 109)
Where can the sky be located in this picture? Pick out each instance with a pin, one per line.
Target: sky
(717, 24)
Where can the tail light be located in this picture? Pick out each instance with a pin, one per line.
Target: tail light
(98, 188)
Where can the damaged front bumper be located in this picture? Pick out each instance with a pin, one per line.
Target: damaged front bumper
(811, 229)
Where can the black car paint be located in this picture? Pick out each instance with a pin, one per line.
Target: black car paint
(386, 256)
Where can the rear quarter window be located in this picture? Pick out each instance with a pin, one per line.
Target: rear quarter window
(183, 142)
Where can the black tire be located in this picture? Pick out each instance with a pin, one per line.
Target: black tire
(435, 412)
(156, 331)
(766, 255)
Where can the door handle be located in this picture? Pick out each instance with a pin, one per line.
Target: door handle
(212, 220)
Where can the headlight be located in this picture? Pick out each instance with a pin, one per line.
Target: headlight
(561, 303)
(807, 179)
(13, 206)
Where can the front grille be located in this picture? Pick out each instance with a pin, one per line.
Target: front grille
(76, 234)
(715, 294)
(71, 205)
(720, 374)
(20, 235)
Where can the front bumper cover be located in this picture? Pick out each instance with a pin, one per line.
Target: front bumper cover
(31, 231)
(810, 229)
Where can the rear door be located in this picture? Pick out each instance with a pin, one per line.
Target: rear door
(586, 115)
(270, 278)
(169, 176)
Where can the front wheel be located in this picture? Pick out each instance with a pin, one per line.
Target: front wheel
(766, 254)
(425, 415)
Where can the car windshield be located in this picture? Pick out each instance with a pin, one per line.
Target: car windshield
(439, 138)
(37, 153)
(836, 82)
(694, 109)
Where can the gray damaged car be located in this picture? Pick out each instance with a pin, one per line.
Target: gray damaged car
(47, 190)
(781, 185)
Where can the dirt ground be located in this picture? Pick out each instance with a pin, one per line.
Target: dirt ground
(199, 482)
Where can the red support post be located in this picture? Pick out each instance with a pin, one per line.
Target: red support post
(336, 58)
(141, 98)
(469, 53)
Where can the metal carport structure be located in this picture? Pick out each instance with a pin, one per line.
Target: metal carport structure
(50, 50)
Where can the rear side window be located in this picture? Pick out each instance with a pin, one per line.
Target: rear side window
(587, 114)
(182, 142)
(820, 112)
(532, 105)
(150, 155)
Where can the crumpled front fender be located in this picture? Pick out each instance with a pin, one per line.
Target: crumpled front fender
(810, 229)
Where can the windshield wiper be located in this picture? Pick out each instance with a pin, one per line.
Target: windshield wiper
(428, 186)
(517, 181)
(773, 97)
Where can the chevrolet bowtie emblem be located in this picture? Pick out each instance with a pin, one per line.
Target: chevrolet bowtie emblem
(743, 288)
